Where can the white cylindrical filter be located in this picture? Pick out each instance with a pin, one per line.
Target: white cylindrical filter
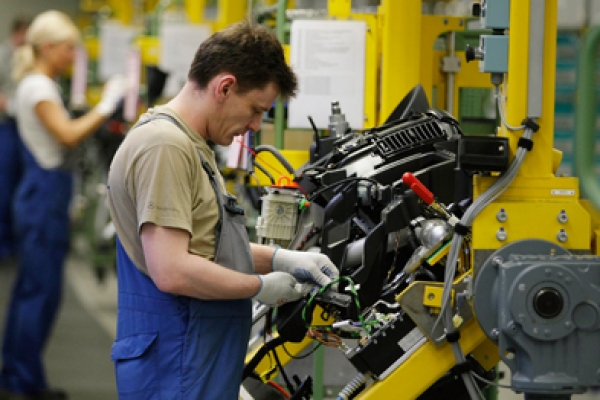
(279, 216)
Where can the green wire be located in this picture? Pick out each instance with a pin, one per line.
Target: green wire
(356, 300)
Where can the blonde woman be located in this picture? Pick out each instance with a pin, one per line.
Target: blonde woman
(40, 206)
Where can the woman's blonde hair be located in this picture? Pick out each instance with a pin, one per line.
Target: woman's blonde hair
(48, 27)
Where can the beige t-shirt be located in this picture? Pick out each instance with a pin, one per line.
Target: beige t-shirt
(156, 176)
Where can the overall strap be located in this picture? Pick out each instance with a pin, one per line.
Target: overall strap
(207, 168)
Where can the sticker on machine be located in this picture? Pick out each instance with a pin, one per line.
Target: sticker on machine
(562, 192)
(410, 339)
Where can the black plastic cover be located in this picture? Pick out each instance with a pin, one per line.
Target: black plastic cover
(483, 153)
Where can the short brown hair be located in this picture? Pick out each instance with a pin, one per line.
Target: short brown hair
(248, 51)
(20, 23)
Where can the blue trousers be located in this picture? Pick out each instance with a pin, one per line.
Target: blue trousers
(10, 173)
(176, 347)
(41, 218)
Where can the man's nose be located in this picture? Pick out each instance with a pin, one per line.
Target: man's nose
(254, 124)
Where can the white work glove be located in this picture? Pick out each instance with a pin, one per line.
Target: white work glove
(277, 288)
(114, 90)
(305, 266)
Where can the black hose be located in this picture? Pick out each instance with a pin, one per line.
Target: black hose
(278, 156)
(264, 171)
(260, 354)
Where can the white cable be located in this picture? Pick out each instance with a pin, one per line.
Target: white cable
(499, 102)
(486, 198)
(491, 194)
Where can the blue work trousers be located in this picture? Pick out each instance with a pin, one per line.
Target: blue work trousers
(10, 174)
(176, 347)
(41, 218)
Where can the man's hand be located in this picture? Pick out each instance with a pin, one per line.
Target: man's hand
(306, 267)
(278, 288)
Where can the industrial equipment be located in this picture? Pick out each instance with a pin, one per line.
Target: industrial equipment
(455, 252)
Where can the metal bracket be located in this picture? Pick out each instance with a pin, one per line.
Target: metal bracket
(411, 301)
(451, 64)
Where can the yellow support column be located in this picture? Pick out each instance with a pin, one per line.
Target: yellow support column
(229, 12)
(339, 8)
(400, 52)
(123, 10)
(516, 80)
(195, 10)
(536, 198)
(539, 162)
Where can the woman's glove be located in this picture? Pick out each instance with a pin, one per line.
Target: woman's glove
(305, 266)
(278, 288)
(113, 92)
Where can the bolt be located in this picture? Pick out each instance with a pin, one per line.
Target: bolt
(501, 235)
(522, 287)
(512, 326)
(502, 216)
(568, 324)
(563, 217)
(495, 333)
(562, 236)
(497, 261)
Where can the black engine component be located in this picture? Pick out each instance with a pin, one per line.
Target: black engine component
(387, 347)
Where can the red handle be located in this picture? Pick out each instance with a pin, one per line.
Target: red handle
(417, 187)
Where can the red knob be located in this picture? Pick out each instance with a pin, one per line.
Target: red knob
(417, 187)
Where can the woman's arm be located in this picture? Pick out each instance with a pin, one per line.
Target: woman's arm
(69, 132)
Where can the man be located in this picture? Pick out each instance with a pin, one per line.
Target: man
(187, 272)
(10, 170)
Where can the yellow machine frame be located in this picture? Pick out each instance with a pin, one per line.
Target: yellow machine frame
(536, 197)
(532, 202)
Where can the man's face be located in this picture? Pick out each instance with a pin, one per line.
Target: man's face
(240, 112)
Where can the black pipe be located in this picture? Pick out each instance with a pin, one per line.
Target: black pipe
(277, 154)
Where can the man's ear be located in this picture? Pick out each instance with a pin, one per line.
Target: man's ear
(224, 86)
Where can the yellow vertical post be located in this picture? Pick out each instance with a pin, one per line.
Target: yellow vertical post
(229, 12)
(195, 10)
(536, 197)
(123, 10)
(539, 162)
(400, 52)
(339, 8)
